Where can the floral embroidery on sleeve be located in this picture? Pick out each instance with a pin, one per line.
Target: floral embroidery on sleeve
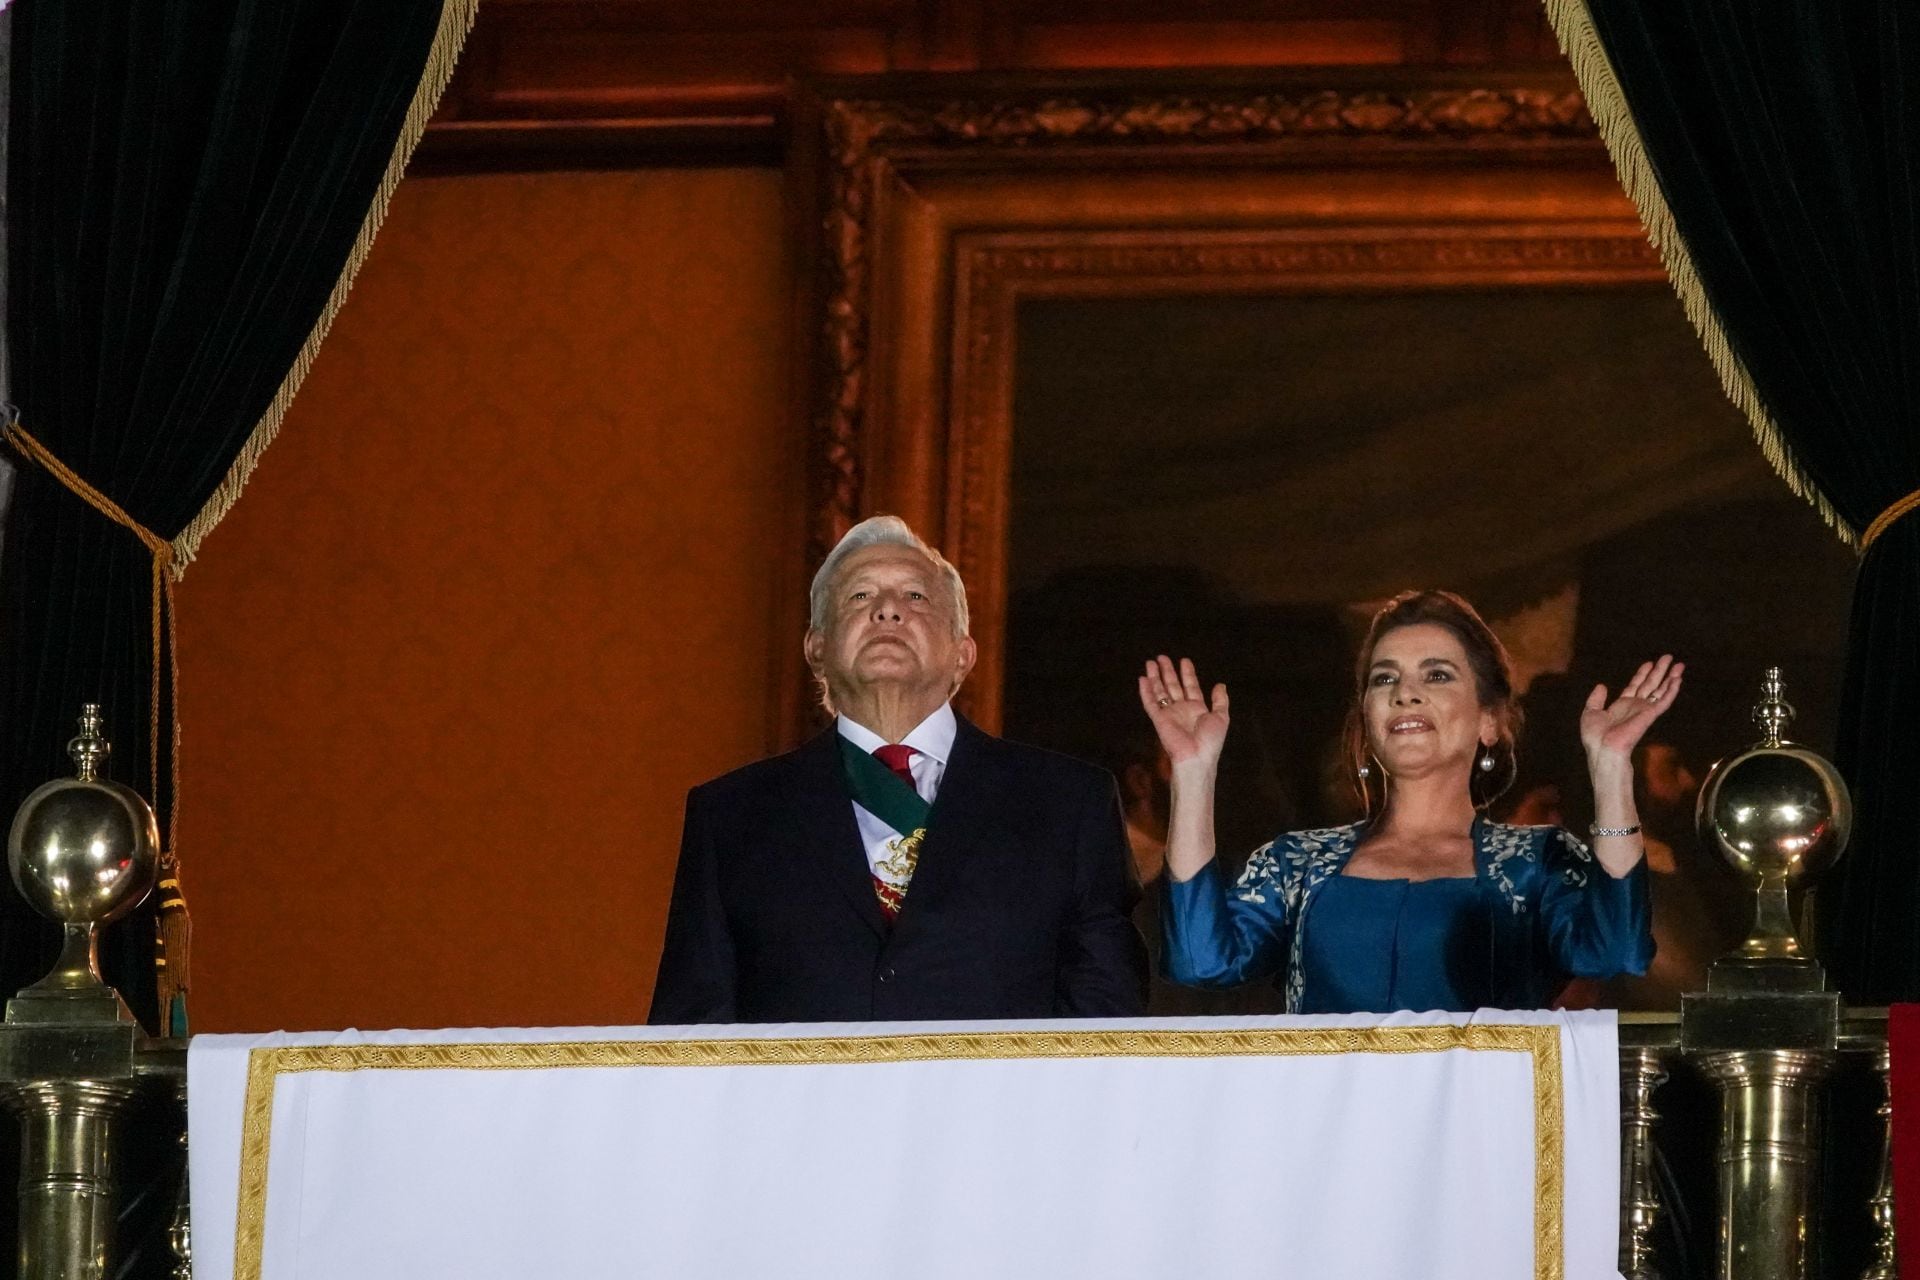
(1508, 848)
(1576, 853)
(1257, 877)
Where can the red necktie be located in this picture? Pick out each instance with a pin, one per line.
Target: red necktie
(897, 757)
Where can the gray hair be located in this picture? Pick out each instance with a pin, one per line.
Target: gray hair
(882, 531)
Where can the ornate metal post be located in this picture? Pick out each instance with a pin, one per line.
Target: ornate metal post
(82, 851)
(1641, 1072)
(180, 1230)
(1885, 1265)
(1768, 1159)
(1766, 1030)
(67, 1176)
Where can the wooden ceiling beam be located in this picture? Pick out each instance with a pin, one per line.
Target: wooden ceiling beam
(627, 83)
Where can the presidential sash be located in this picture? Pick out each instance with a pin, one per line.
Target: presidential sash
(882, 793)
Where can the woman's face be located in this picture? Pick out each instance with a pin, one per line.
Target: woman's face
(1422, 706)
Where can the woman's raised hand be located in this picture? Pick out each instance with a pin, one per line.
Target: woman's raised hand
(1189, 729)
(1613, 728)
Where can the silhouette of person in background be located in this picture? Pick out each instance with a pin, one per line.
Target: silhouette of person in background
(1145, 774)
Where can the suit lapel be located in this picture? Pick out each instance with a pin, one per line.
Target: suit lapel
(832, 837)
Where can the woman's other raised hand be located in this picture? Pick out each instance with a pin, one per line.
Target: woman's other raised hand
(1611, 729)
(1191, 731)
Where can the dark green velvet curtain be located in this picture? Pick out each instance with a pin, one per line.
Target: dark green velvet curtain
(187, 181)
(1785, 137)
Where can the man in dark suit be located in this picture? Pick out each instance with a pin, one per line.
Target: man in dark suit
(903, 864)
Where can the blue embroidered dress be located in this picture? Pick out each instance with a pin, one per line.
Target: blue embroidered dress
(1537, 911)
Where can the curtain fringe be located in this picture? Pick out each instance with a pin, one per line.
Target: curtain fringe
(456, 20)
(1573, 25)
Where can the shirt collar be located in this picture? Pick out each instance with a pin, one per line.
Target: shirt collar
(931, 737)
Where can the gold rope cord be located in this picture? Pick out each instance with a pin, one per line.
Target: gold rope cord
(456, 20)
(1573, 25)
(1540, 1042)
(1886, 518)
(171, 959)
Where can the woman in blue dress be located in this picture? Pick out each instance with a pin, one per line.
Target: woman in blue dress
(1425, 904)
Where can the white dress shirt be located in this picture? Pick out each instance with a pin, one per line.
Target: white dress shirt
(932, 743)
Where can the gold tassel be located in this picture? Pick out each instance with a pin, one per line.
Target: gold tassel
(456, 20)
(1573, 25)
(174, 961)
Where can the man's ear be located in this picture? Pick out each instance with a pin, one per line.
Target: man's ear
(815, 648)
(968, 653)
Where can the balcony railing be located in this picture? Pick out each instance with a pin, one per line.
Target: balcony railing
(1761, 1174)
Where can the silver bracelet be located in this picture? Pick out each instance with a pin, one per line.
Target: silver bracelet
(1598, 830)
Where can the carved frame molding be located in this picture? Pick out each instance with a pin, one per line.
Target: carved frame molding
(868, 149)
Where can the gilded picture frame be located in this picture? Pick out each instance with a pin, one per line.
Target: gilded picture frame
(925, 213)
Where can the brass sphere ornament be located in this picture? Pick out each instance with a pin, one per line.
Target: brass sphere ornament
(83, 851)
(1779, 815)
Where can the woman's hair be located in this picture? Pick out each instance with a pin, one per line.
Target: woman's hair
(1492, 680)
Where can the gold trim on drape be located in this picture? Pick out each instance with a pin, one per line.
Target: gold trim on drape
(1540, 1042)
(1573, 24)
(456, 20)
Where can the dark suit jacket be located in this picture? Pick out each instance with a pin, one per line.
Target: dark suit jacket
(1018, 907)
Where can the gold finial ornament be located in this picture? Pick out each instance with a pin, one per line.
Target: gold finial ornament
(1779, 815)
(82, 851)
(1766, 1031)
(89, 749)
(1773, 713)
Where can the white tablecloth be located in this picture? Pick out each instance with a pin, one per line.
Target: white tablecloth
(1436, 1146)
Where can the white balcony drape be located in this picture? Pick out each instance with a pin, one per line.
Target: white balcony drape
(1439, 1145)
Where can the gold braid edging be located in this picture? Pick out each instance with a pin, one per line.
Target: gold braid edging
(1573, 25)
(456, 20)
(1540, 1042)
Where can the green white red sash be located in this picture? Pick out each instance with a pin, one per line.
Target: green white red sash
(882, 793)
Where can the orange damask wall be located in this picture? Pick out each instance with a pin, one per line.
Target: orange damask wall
(500, 592)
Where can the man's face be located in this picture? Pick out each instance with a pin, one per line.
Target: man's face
(889, 621)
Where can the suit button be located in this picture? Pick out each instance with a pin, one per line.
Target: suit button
(886, 974)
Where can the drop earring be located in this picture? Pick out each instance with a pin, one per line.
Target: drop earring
(1486, 761)
(1365, 771)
